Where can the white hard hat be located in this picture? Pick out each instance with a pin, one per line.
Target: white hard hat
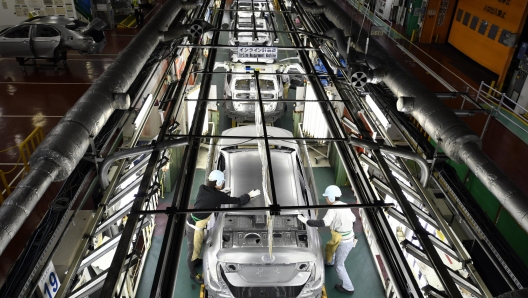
(218, 176)
(332, 192)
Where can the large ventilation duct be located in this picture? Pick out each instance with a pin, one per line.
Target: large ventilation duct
(66, 144)
(457, 140)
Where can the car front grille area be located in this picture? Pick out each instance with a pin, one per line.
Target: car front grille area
(262, 292)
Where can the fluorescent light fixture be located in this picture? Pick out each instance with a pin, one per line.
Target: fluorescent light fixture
(314, 123)
(348, 123)
(374, 107)
(191, 107)
(143, 111)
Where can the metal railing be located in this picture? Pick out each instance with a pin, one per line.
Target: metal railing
(501, 107)
(4, 187)
(405, 44)
(504, 109)
(25, 149)
(29, 145)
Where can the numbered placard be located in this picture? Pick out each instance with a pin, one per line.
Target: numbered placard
(49, 282)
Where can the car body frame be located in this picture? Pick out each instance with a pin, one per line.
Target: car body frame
(51, 37)
(243, 8)
(237, 261)
(241, 87)
(242, 36)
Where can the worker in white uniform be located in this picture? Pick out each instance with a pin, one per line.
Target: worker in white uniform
(340, 222)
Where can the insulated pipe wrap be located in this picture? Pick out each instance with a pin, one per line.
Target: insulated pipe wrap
(508, 194)
(312, 8)
(91, 122)
(66, 144)
(440, 122)
(459, 142)
(14, 212)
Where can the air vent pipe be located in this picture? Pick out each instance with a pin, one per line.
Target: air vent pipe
(66, 144)
(457, 140)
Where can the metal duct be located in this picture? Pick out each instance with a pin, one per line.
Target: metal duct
(353, 55)
(226, 21)
(312, 7)
(457, 140)
(66, 144)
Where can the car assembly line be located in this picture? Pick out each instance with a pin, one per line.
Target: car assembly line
(286, 97)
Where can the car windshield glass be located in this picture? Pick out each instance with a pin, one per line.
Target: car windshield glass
(242, 84)
(266, 85)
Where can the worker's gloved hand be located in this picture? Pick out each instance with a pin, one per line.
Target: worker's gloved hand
(254, 193)
(226, 190)
(302, 218)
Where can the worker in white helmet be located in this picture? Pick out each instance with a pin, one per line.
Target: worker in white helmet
(210, 196)
(340, 222)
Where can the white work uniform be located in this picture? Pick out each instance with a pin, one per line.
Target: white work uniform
(342, 220)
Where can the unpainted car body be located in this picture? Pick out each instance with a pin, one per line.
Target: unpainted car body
(242, 88)
(245, 38)
(244, 7)
(49, 37)
(236, 258)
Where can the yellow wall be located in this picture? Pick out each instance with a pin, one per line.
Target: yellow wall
(436, 21)
(506, 14)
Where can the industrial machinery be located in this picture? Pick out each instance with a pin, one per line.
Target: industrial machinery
(245, 255)
(431, 240)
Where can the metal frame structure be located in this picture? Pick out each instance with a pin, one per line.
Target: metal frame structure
(395, 194)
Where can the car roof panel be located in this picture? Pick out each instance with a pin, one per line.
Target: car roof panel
(250, 131)
(50, 20)
(246, 174)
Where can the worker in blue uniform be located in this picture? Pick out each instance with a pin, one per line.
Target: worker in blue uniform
(341, 222)
(210, 196)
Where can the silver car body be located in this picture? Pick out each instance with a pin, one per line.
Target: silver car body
(260, 8)
(236, 253)
(240, 39)
(46, 37)
(244, 86)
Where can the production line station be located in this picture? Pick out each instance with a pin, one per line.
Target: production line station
(284, 96)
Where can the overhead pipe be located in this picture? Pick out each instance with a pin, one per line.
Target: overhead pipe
(312, 7)
(66, 144)
(109, 160)
(424, 167)
(353, 55)
(456, 139)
